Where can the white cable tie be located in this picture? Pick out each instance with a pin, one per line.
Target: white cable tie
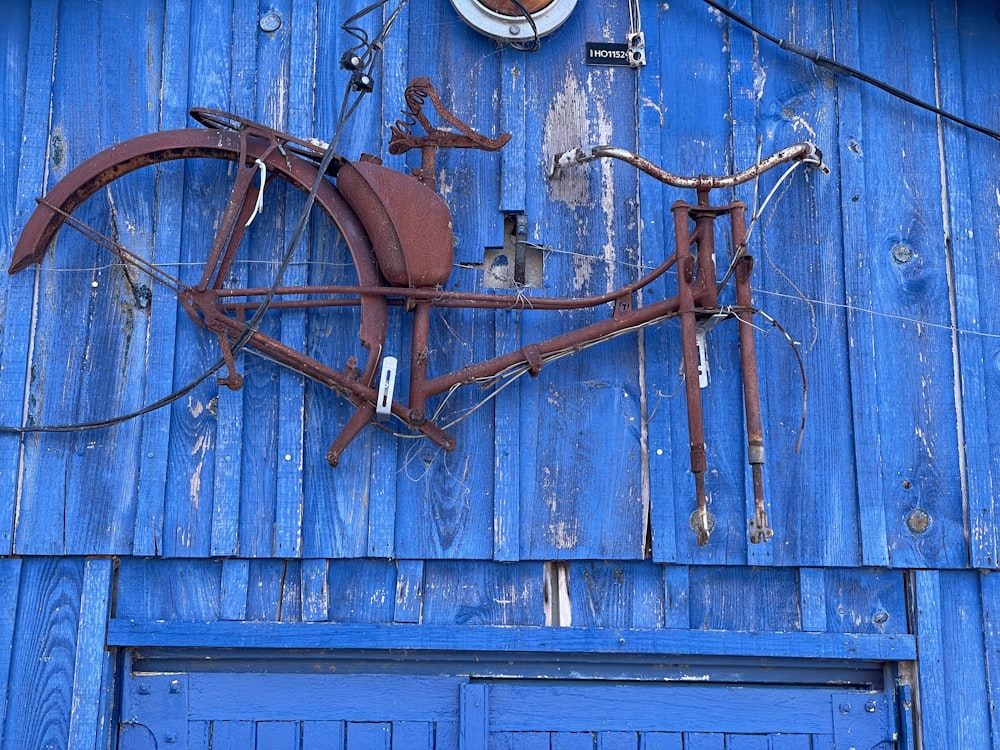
(259, 205)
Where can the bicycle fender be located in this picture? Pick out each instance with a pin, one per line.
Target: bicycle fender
(103, 168)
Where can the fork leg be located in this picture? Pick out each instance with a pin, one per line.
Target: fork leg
(760, 531)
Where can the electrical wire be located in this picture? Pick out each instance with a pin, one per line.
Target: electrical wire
(534, 44)
(849, 72)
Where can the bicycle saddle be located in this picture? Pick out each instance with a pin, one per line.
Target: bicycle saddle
(409, 224)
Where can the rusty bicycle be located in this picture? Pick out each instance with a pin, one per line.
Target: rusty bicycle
(396, 231)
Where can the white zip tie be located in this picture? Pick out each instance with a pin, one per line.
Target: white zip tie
(259, 205)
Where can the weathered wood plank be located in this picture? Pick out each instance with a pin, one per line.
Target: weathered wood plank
(155, 451)
(869, 601)
(903, 279)
(969, 86)
(90, 710)
(213, 80)
(10, 578)
(343, 634)
(40, 693)
(474, 593)
(30, 39)
(616, 595)
(685, 130)
(778, 100)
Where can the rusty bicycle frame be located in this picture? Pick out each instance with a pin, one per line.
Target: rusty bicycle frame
(398, 232)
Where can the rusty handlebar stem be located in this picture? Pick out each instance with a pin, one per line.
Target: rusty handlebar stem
(805, 152)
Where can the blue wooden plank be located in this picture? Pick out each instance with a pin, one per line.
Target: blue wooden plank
(277, 734)
(730, 598)
(573, 741)
(647, 707)
(409, 590)
(934, 727)
(617, 740)
(866, 601)
(361, 736)
(967, 702)
(233, 591)
(588, 405)
(90, 712)
(232, 735)
(30, 40)
(861, 354)
(812, 599)
(990, 587)
(676, 587)
(779, 100)
(315, 590)
(684, 129)
(308, 697)
(154, 450)
(286, 55)
(474, 593)
(177, 590)
(660, 741)
(418, 735)
(266, 589)
(19, 330)
(704, 741)
(10, 575)
(520, 741)
(445, 501)
(319, 735)
(969, 86)
(906, 275)
(344, 634)
(358, 495)
(362, 591)
(616, 595)
(473, 716)
(40, 697)
(213, 80)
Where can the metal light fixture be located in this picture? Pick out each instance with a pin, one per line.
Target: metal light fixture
(509, 21)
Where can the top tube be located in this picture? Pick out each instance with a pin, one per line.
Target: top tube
(805, 152)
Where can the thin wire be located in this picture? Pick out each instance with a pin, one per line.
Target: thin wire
(849, 72)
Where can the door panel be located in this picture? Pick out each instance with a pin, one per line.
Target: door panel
(239, 708)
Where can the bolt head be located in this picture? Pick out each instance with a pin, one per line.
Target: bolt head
(270, 22)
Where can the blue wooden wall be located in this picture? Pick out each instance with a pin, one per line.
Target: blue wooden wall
(220, 512)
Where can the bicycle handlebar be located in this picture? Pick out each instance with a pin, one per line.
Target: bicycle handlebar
(805, 152)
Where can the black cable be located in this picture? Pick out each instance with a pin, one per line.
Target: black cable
(534, 44)
(849, 72)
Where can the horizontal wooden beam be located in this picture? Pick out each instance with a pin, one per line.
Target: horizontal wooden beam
(667, 642)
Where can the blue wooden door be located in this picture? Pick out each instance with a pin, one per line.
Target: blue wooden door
(249, 706)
